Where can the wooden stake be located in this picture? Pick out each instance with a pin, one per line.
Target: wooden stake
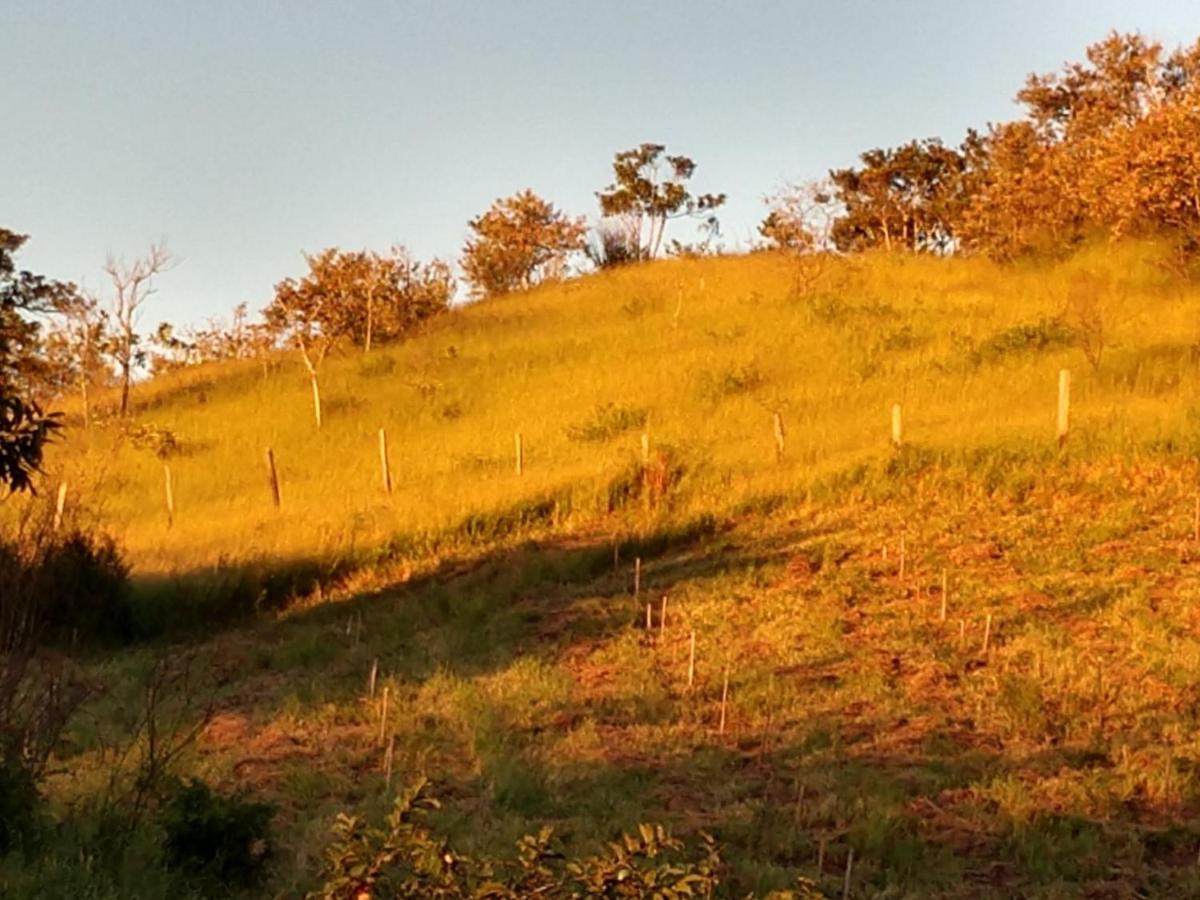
(1064, 405)
(387, 761)
(170, 494)
(383, 715)
(520, 453)
(60, 506)
(944, 595)
(692, 662)
(645, 449)
(662, 620)
(962, 630)
(779, 438)
(897, 426)
(276, 494)
(371, 678)
(637, 577)
(987, 632)
(385, 468)
(724, 701)
(649, 623)
(821, 858)
(849, 872)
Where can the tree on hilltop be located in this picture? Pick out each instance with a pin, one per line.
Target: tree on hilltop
(648, 190)
(357, 296)
(519, 242)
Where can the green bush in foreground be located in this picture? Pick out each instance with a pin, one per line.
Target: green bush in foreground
(403, 859)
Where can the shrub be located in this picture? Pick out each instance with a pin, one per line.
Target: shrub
(732, 380)
(1037, 337)
(226, 838)
(162, 442)
(607, 421)
(59, 586)
(404, 859)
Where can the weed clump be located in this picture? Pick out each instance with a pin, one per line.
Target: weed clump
(607, 421)
(1047, 333)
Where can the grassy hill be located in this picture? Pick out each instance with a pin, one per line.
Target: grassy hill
(1038, 739)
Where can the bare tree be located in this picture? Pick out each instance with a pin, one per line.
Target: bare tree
(132, 286)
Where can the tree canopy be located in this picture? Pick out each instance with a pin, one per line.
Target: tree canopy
(24, 427)
(649, 189)
(520, 241)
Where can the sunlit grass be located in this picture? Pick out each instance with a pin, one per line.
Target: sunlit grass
(708, 349)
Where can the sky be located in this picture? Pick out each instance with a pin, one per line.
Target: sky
(244, 132)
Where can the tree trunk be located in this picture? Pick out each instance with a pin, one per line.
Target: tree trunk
(316, 391)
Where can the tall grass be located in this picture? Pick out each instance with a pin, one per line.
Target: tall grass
(705, 351)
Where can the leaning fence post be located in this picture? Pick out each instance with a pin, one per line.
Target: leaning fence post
(276, 496)
(384, 467)
(897, 426)
(779, 437)
(1064, 405)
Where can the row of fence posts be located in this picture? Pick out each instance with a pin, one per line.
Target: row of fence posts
(778, 430)
(779, 433)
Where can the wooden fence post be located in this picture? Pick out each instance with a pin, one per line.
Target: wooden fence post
(170, 495)
(384, 467)
(276, 495)
(897, 426)
(520, 450)
(1064, 405)
(60, 506)
(779, 437)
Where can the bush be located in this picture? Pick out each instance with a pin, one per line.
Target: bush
(1037, 337)
(607, 421)
(405, 859)
(64, 585)
(226, 838)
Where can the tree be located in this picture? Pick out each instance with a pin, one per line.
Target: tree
(75, 346)
(905, 197)
(1106, 147)
(357, 296)
(132, 286)
(648, 190)
(519, 242)
(24, 426)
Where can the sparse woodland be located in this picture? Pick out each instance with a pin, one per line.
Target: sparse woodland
(864, 563)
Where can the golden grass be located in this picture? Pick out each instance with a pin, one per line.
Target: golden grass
(709, 349)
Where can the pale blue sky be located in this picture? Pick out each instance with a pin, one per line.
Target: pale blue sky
(245, 132)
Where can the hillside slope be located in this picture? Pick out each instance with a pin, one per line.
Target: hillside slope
(704, 352)
(961, 668)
